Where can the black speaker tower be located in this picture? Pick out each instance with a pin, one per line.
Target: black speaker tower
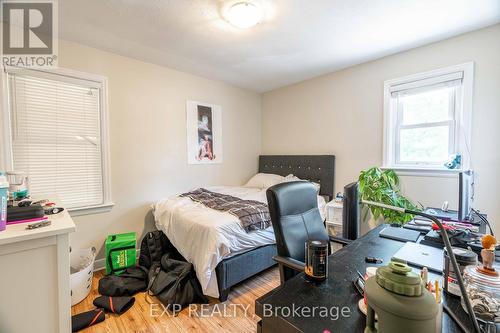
(350, 212)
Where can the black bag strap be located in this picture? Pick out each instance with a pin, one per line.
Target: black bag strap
(149, 244)
(156, 270)
(153, 241)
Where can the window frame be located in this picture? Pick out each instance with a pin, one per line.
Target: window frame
(70, 76)
(460, 130)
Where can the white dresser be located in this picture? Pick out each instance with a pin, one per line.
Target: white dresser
(34, 277)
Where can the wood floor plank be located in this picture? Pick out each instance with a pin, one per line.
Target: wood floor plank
(237, 314)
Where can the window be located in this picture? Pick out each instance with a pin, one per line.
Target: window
(427, 119)
(58, 135)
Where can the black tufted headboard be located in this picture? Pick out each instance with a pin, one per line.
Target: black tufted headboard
(316, 168)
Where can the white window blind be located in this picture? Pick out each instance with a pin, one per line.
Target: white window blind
(56, 137)
(415, 86)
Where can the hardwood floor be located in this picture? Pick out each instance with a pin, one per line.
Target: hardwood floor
(237, 314)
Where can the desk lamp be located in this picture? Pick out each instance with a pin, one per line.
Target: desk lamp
(447, 244)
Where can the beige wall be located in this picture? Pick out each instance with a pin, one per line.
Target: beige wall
(342, 113)
(339, 113)
(147, 127)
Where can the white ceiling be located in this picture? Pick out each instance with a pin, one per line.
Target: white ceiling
(297, 40)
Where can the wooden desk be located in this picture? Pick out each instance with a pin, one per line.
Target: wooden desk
(336, 292)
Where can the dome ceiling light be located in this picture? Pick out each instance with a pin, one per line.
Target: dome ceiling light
(243, 14)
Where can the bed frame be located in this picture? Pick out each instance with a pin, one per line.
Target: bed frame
(316, 168)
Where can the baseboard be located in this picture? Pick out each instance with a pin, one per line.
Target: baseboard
(100, 264)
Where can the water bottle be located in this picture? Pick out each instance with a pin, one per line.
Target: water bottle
(4, 185)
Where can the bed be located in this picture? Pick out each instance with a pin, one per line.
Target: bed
(222, 253)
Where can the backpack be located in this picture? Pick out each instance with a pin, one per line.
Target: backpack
(171, 278)
(153, 246)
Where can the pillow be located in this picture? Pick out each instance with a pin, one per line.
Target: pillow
(317, 185)
(264, 180)
(292, 178)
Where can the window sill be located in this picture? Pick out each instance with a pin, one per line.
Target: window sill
(425, 172)
(104, 208)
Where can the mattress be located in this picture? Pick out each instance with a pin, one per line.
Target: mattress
(206, 236)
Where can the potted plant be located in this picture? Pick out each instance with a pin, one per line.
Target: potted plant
(382, 186)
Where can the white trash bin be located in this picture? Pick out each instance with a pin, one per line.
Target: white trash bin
(82, 271)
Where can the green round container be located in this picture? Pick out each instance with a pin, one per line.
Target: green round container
(402, 304)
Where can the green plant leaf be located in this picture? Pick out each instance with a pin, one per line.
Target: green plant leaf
(383, 186)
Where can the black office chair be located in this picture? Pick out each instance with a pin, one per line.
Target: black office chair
(293, 207)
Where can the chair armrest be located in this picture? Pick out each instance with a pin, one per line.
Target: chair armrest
(340, 240)
(290, 263)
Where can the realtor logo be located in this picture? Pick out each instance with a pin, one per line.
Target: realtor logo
(29, 33)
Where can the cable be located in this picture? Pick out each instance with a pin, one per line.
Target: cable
(484, 220)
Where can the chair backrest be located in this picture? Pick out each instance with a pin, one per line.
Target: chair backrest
(293, 207)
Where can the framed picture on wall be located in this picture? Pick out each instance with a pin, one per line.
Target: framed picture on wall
(204, 133)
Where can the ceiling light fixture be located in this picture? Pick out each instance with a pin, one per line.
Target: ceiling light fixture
(243, 14)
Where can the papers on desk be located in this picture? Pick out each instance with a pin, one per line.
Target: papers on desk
(415, 225)
(423, 227)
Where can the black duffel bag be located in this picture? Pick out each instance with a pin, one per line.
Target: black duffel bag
(128, 283)
(174, 283)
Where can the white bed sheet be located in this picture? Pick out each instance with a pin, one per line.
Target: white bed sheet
(205, 236)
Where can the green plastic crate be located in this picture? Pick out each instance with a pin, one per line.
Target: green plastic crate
(120, 252)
